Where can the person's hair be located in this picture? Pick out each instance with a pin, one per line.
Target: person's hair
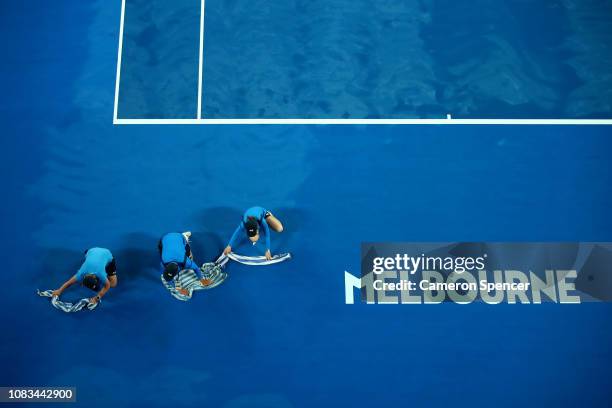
(91, 281)
(170, 271)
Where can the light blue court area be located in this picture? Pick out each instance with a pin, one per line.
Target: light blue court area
(349, 59)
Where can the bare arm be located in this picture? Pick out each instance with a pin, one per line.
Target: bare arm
(105, 289)
(65, 286)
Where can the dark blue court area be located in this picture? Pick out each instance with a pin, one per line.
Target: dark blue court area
(282, 336)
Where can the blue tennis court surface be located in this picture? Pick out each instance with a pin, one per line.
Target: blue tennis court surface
(282, 336)
(367, 59)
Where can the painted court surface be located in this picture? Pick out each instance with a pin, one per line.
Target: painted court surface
(282, 336)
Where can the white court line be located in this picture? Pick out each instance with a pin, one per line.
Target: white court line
(363, 122)
(201, 61)
(119, 53)
(297, 121)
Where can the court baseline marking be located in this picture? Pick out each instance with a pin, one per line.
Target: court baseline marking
(304, 121)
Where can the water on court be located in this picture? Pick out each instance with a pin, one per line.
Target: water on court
(369, 59)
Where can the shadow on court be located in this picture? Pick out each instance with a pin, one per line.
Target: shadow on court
(137, 259)
(294, 221)
(58, 265)
(215, 226)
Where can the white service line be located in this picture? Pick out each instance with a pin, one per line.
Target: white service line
(363, 122)
(119, 52)
(201, 61)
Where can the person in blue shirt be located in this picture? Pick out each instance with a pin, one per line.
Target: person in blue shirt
(98, 273)
(175, 254)
(253, 220)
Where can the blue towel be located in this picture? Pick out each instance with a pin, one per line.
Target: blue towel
(67, 306)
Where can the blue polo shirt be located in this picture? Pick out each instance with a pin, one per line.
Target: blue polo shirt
(95, 263)
(259, 213)
(173, 250)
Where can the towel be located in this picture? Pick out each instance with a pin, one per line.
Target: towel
(187, 279)
(252, 260)
(67, 306)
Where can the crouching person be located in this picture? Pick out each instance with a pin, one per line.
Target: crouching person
(175, 254)
(98, 273)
